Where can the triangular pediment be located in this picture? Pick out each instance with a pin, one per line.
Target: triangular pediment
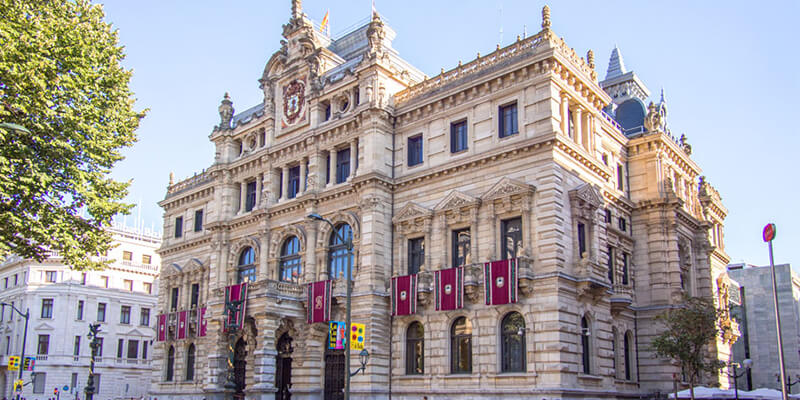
(456, 199)
(134, 332)
(44, 326)
(588, 194)
(507, 187)
(410, 211)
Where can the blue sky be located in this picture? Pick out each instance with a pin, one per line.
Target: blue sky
(729, 70)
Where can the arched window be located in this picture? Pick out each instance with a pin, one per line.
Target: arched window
(626, 345)
(512, 351)
(190, 363)
(290, 268)
(461, 346)
(338, 259)
(415, 349)
(247, 265)
(170, 364)
(585, 349)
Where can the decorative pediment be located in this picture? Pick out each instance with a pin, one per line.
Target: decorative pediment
(456, 200)
(411, 211)
(586, 194)
(507, 187)
(44, 326)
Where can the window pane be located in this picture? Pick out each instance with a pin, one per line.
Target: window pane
(461, 346)
(198, 220)
(415, 349)
(294, 182)
(513, 343)
(512, 237)
(290, 262)
(416, 254)
(250, 196)
(338, 258)
(342, 165)
(461, 247)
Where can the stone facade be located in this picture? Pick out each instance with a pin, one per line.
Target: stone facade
(62, 304)
(520, 147)
(756, 315)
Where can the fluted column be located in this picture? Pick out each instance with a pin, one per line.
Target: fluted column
(242, 195)
(302, 184)
(310, 269)
(564, 114)
(259, 180)
(353, 158)
(285, 183)
(331, 167)
(587, 130)
(578, 116)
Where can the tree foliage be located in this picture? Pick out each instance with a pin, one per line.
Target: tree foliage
(61, 79)
(690, 329)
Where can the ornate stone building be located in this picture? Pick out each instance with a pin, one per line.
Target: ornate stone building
(520, 153)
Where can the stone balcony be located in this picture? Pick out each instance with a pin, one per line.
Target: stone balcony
(621, 297)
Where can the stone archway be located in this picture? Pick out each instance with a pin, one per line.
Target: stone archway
(283, 368)
(334, 374)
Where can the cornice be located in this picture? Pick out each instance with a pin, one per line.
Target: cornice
(166, 251)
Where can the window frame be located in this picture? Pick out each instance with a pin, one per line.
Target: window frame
(174, 299)
(459, 136)
(456, 245)
(415, 349)
(198, 220)
(343, 165)
(190, 362)
(505, 235)
(194, 299)
(51, 276)
(459, 342)
(586, 345)
(250, 195)
(125, 315)
(178, 227)
(513, 355)
(415, 148)
(170, 367)
(290, 261)
(337, 252)
(79, 315)
(416, 254)
(101, 308)
(502, 128)
(144, 316)
(47, 308)
(76, 346)
(43, 345)
(246, 265)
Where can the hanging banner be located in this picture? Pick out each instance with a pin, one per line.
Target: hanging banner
(183, 327)
(236, 293)
(449, 285)
(404, 295)
(319, 301)
(337, 336)
(162, 327)
(501, 281)
(202, 324)
(357, 334)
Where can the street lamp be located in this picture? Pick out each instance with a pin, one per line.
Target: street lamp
(364, 354)
(27, 316)
(747, 364)
(232, 308)
(94, 344)
(789, 382)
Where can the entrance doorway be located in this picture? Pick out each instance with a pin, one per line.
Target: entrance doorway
(283, 364)
(239, 368)
(334, 374)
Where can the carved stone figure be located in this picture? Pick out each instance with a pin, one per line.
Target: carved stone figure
(225, 112)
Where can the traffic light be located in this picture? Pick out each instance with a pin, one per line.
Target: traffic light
(55, 392)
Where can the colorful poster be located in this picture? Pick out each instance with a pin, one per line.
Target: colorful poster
(449, 287)
(319, 301)
(337, 336)
(404, 295)
(357, 334)
(501, 281)
(162, 327)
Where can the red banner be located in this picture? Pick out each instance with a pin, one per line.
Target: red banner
(183, 326)
(501, 281)
(236, 293)
(162, 327)
(404, 295)
(202, 324)
(319, 301)
(449, 287)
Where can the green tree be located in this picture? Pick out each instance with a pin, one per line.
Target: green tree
(690, 329)
(61, 79)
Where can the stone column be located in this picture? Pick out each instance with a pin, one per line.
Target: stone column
(401, 260)
(266, 189)
(242, 195)
(315, 172)
(428, 231)
(353, 158)
(491, 219)
(284, 183)
(302, 183)
(259, 179)
(331, 167)
(443, 233)
(587, 130)
(473, 233)
(564, 114)
(578, 126)
(263, 266)
(527, 227)
(310, 270)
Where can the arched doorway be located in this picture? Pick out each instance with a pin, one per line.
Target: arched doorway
(283, 365)
(239, 368)
(334, 374)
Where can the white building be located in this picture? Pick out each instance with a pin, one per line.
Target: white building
(63, 302)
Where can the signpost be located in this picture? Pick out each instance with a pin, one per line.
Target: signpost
(768, 234)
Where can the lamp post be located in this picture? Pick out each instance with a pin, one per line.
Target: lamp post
(94, 330)
(232, 307)
(789, 382)
(364, 354)
(747, 364)
(27, 316)
(768, 234)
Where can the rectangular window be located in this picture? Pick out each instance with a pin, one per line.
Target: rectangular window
(120, 347)
(570, 125)
(76, 348)
(293, 182)
(74, 383)
(416, 254)
(178, 227)
(328, 168)
(128, 284)
(460, 247)
(96, 383)
(512, 237)
(144, 317)
(39, 382)
(148, 287)
(99, 352)
(15, 280)
(5, 283)
(458, 136)
(620, 182)
(80, 310)
(174, 303)
(610, 264)
(250, 196)
(50, 276)
(125, 315)
(342, 165)
(133, 349)
(623, 224)
(146, 259)
(624, 268)
(608, 216)
(101, 312)
(144, 349)
(195, 295)
(581, 239)
(127, 256)
(198, 220)
(415, 150)
(44, 345)
(47, 308)
(104, 281)
(83, 278)
(508, 120)
(280, 183)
